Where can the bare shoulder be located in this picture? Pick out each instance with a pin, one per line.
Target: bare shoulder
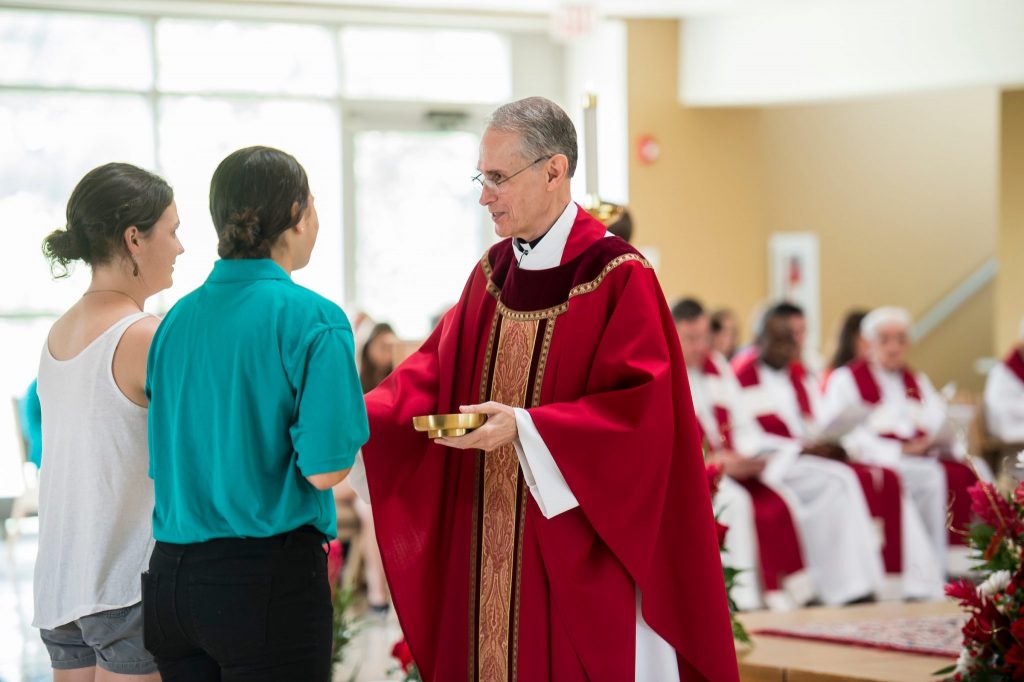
(139, 335)
(130, 359)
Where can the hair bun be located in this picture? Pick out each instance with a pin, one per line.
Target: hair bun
(61, 247)
(242, 236)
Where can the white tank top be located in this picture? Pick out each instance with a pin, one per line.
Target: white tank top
(95, 495)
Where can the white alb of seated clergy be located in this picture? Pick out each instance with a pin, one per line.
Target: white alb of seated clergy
(723, 390)
(894, 414)
(1004, 404)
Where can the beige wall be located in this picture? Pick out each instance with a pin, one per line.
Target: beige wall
(700, 203)
(902, 192)
(1010, 281)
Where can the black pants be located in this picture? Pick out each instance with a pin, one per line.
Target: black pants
(253, 610)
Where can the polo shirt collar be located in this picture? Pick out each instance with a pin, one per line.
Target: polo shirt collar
(246, 270)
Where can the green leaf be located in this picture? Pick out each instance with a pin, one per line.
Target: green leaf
(344, 627)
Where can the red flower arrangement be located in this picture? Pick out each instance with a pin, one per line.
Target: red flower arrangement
(993, 644)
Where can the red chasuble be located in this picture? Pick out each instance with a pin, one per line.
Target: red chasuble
(484, 586)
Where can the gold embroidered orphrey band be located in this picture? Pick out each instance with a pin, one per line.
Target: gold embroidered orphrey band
(577, 290)
(499, 504)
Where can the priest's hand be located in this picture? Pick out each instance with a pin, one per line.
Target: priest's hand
(499, 429)
(737, 466)
(827, 450)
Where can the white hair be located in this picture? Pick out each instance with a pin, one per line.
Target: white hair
(881, 317)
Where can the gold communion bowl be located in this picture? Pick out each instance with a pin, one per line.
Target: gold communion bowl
(448, 425)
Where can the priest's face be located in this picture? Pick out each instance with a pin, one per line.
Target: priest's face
(695, 340)
(516, 191)
(889, 348)
(777, 344)
(798, 323)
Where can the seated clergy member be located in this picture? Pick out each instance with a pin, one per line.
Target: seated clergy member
(785, 404)
(825, 497)
(903, 425)
(1004, 395)
(779, 580)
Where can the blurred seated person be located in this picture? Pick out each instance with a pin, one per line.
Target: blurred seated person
(828, 522)
(785, 403)
(850, 346)
(622, 225)
(905, 425)
(376, 360)
(1004, 395)
(725, 332)
(794, 317)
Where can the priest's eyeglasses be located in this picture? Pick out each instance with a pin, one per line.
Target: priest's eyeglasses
(483, 182)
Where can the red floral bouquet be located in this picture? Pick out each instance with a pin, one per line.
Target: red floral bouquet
(739, 633)
(993, 646)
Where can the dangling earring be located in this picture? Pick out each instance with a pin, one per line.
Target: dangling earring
(135, 266)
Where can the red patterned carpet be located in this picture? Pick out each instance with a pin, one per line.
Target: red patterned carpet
(933, 635)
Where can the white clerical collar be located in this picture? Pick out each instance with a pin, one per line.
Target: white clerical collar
(548, 252)
(771, 371)
(878, 370)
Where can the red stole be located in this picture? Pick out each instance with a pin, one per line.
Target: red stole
(1015, 363)
(720, 412)
(959, 476)
(749, 377)
(798, 377)
(872, 394)
(484, 586)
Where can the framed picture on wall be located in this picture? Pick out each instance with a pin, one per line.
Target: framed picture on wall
(793, 275)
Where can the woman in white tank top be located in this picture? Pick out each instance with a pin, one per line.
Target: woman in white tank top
(95, 497)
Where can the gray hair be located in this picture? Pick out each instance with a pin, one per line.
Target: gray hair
(883, 317)
(544, 128)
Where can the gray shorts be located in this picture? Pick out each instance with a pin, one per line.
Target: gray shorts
(110, 639)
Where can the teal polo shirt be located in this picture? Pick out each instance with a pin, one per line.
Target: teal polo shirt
(252, 387)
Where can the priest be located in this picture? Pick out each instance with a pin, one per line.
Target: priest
(571, 536)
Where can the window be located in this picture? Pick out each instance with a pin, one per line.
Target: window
(399, 225)
(79, 50)
(231, 56)
(457, 66)
(413, 194)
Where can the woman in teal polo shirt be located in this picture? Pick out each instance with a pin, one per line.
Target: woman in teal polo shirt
(255, 412)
